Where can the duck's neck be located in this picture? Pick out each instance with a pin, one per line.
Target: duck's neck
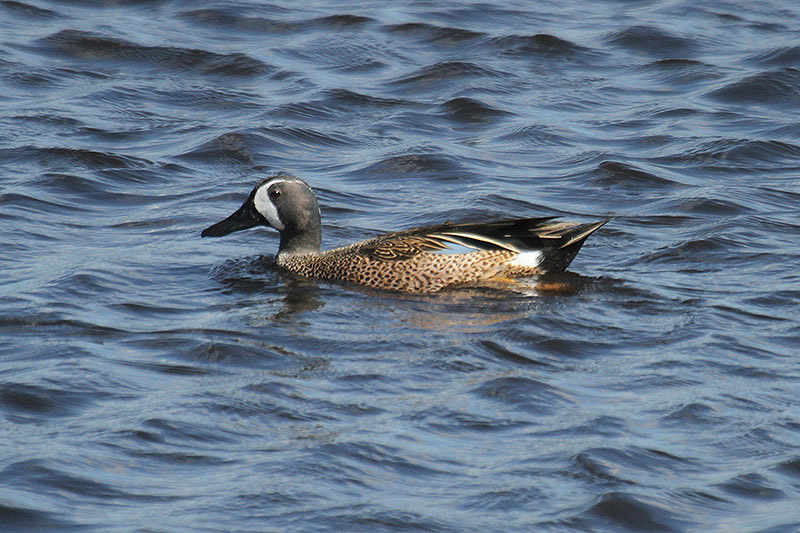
(306, 241)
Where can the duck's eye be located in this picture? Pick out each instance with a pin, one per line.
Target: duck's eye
(274, 193)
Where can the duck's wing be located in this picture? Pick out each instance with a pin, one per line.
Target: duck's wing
(514, 235)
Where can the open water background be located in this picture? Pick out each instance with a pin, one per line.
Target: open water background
(154, 381)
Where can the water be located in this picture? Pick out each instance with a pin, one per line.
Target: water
(154, 381)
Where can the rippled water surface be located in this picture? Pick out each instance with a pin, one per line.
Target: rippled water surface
(154, 381)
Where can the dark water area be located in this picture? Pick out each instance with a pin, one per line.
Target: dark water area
(154, 381)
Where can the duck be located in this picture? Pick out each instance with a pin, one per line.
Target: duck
(420, 260)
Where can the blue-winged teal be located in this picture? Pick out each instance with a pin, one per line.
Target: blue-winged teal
(417, 260)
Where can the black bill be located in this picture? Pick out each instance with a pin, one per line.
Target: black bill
(244, 217)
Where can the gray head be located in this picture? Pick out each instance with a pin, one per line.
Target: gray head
(283, 202)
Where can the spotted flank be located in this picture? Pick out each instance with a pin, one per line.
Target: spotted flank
(419, 260)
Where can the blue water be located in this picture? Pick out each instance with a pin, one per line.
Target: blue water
(154, 381)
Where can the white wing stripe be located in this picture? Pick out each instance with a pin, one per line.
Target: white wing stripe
(479, 238)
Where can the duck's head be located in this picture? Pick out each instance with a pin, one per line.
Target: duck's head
(283, 202)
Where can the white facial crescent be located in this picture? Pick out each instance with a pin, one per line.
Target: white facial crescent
(265, 206)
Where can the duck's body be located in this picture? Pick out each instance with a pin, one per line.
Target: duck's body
(419, 260)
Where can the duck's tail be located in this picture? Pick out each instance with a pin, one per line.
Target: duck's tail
(567, 242)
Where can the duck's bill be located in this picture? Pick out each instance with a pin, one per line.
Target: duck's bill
(245, 217)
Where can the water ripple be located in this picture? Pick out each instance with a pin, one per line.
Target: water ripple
(92, 48)
(652, 40)
(616, 510)
(776, 87)
(431, 77)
